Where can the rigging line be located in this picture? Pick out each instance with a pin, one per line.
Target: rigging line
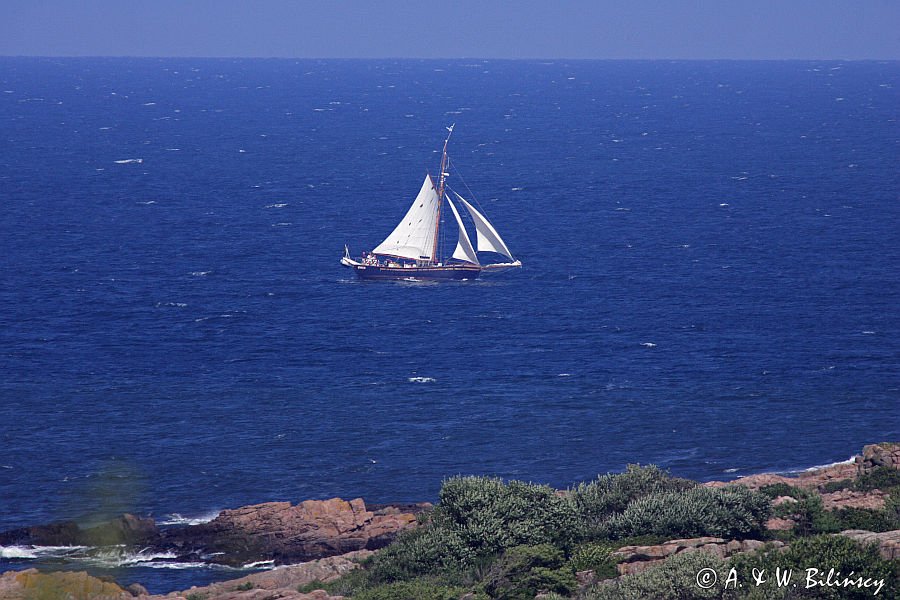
(468, 189)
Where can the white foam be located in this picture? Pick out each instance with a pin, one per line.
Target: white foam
(260, 564)
(179, 519)
(127, 161)
(279, 205)
(849, 461)
(421, 379)
(17, 552)
(32, 552)
(648, 345)
(200, 273)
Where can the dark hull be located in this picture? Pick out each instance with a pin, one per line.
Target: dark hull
(445, 273)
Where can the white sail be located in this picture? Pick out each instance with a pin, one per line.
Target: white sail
(488, 239)
(414, 236)
(464, 250)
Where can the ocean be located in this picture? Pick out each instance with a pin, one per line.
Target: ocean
(711, 279)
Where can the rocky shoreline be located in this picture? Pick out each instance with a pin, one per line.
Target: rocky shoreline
(322, 540)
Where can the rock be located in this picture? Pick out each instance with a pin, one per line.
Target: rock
(585, 578)
(784, 500)
(635, 559)
(885, 454)
(31, 584)
(136, 589)
(281, 582)
(874, 499)
(779, 524)
(289, 533)
(127, 529)
(888, 542)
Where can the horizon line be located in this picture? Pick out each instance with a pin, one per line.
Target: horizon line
(444, 58)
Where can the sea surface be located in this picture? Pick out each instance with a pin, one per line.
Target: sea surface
(711, 279)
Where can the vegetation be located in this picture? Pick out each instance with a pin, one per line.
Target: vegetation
(489, 539)
(729, 512)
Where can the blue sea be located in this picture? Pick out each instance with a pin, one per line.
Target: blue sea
(711, 278)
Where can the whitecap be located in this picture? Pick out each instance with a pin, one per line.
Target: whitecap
(735, 470)
(422, 380)
(149, 104)
(849, 461)
(260, 564)
(17, 552)
(200, 273)
(179, 519)
(564, 375)
(279, 205)
(868, 332)
(648, 345)
(517, 189)
(127, 161)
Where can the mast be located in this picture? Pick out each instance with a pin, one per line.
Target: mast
(444, 174)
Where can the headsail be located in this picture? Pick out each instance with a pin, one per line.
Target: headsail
(488, 239)
(464, 250)
(414, 237)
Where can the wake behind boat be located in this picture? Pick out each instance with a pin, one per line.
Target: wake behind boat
(412, 250)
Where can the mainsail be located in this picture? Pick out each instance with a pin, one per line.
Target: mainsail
(414, 237)
(464, 250)
(488, 239)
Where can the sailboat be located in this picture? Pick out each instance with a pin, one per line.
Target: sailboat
(412, 252)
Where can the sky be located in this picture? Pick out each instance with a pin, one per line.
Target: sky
(592, 29)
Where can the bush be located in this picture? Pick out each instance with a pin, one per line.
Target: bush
(490, 516)
(856, 518)
(418, 589)
(782, 489)
(729, 512)
(477, 517)
(879, 478)
(821, 552)
(676, 578)
(594, 557)
(609, 494)
(524, 571)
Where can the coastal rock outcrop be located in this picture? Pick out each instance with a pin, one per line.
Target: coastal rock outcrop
(888, 542)
(127, 529)
(885, 454)
(281, 582)
(31, 584)
(634, 559)
(287, 533)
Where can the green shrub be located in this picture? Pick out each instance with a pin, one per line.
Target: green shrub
(821, 552)
(609, 494)
(594, 557)
(836, 486)
(417, 589)
(782, 489)
(244, 587)
(477, 517)
(524, 571)
(879, 478)
(857, 518)
(490, 516)
(676, 578)
(729, 512)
